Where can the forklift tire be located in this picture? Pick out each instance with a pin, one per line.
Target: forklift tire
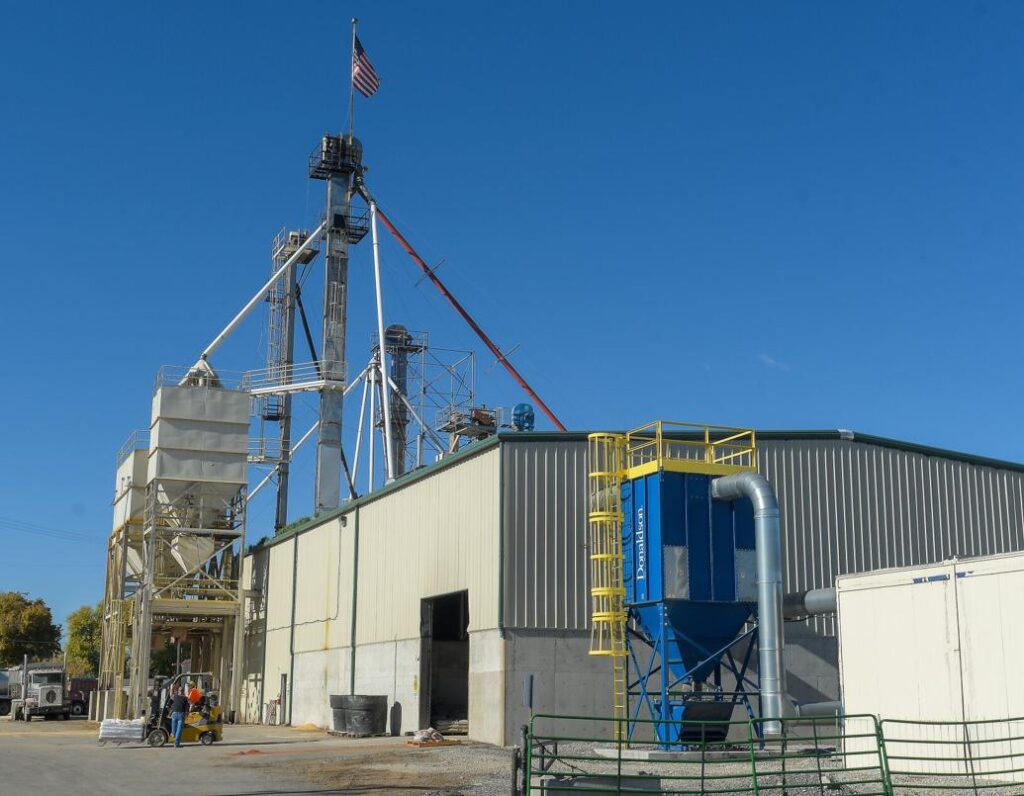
(206, 738)
(157, 738)
(65, 715)
(77, 708)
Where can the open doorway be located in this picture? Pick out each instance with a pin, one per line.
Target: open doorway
(444, 660)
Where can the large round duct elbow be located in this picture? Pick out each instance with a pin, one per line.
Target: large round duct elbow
(768, 543)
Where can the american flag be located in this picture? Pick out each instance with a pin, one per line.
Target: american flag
(364, 76)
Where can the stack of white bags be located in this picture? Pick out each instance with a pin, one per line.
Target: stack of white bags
(122, 730)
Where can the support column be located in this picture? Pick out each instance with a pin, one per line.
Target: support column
(338, 161)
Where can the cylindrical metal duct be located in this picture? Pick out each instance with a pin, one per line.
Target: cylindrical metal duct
(768, 541)
(814, 602)
(819, 710)
(397, 342)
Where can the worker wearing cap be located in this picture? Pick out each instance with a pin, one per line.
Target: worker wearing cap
(179, 706)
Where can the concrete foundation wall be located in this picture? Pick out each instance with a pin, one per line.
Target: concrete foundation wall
(566, 680)
(487, 695)
(392, 669)
(812, 664)
(318, 674)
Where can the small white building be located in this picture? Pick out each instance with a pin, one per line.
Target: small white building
(446, 588)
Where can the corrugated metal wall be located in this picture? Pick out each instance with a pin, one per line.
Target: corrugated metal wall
(847, 506)
(544, 494)
(435, 536)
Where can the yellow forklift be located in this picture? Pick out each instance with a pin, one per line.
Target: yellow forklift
(203, 723)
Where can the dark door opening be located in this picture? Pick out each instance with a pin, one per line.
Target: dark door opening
(445, 662)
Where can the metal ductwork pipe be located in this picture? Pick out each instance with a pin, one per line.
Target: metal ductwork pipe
(819, 710)
(814, 602)
(768, 541)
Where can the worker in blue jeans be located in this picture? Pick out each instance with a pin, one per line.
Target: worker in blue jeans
(179, 707)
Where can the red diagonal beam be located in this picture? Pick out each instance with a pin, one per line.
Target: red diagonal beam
(469, 319)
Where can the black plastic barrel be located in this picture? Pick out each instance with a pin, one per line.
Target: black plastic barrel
(359, 714)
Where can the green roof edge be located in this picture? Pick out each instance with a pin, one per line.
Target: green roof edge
(481, 446)
(412, 477)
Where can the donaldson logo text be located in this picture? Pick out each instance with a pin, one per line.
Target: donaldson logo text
(639, 540)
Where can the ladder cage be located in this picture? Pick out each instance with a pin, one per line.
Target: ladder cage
(607, 586)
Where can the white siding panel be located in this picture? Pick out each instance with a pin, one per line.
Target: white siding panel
(938, 644)
(436, 535)
(323, 600)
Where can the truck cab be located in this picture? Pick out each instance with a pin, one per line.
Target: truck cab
(43, 695)
(5, 692)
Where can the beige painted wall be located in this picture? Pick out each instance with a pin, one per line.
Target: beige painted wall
(434, 536)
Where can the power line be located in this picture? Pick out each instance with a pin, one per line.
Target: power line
(11, 524)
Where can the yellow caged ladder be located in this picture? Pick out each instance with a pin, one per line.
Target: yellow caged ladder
(607, 588)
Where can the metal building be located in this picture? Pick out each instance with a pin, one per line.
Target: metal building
(449, 586)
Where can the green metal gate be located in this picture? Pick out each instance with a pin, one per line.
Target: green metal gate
(857, 756)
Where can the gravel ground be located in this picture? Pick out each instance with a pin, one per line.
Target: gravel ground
(808, 775)
(469, 769)
(58, 758)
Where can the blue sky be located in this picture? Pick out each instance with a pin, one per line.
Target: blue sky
(786, 215)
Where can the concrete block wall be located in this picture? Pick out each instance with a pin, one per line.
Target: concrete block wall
(317, 675)
(566, 680)
(392, 669)
(812, 664)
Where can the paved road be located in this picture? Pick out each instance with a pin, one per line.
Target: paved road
(63, 757)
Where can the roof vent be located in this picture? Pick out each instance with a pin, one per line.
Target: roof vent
(845, 433)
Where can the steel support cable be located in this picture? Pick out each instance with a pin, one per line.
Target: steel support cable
(429, 272)
(309, 334)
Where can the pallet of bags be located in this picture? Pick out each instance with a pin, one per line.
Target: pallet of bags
(122, 730)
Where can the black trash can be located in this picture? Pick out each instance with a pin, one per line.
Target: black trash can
(359, 714)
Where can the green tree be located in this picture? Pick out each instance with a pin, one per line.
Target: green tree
(162, 660)
(26, 628)
(85, 631)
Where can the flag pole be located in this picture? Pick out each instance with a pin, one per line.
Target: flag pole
(352, 84)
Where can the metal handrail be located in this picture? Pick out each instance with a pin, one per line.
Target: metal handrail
(715, 444)
(297, 373)
(137, 440)
(192, 375)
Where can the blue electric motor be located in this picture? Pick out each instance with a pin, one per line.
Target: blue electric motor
(522, 417)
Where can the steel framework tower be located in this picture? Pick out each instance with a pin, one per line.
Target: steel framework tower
(193, 530)
(275, 409)
(337, 161)
(400, 345)
(124, 573)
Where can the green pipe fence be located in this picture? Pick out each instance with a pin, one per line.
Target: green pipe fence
(979, 757)
(852, 756)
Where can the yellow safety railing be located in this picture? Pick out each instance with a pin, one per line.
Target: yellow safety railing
(607, 586)
(688, 448)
